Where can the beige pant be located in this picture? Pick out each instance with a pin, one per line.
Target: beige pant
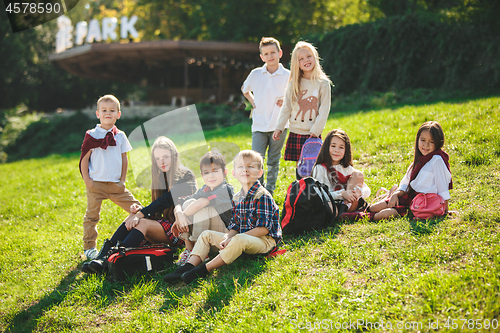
(238, 244)
(206, 218)
(95, 195)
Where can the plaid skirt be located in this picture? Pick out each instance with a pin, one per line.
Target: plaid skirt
(167, 227)
(294, 145)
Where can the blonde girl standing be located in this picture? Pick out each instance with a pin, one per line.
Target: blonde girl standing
(307, 100)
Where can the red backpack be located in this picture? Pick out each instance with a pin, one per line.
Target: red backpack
(307, 207)
(124, 262)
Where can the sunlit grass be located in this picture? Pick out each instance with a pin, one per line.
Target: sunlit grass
(397, 271)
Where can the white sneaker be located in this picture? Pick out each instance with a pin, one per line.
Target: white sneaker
(91, 253)
(184, 257)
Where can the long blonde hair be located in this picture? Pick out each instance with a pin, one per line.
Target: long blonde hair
(296, 73)
(163, 181)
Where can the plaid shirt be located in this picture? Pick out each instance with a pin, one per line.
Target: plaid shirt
(250, 212)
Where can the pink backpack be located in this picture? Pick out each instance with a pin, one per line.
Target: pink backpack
(427, 205)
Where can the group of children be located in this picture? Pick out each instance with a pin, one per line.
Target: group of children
(248, 220)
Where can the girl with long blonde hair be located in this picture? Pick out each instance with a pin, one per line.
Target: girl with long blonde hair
(307, 100)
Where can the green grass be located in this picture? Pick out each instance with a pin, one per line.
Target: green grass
(407, 273)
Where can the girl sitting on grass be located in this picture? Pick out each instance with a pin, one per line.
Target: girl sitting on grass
(335, 169)
(429, 173)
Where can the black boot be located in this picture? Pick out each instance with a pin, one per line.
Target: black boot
(95, 266)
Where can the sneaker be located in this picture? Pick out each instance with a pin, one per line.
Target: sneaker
(91, 253)
(194, 274)
(176, 275)
(184, 257)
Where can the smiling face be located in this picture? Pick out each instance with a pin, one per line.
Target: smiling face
(247, 170)
(337, 149)
(426, 143)
(108, 113)
(163, 158)
(213, 175)
(306, 60)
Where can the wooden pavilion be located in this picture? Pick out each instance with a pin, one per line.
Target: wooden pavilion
(182, 71)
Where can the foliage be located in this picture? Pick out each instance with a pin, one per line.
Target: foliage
(30, 79)
(231, 20)
(409, 52)
(393, 271)
(36, 136)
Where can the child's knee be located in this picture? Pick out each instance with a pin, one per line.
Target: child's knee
(358, 177)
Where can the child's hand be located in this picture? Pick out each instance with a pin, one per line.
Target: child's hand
(134, 208)
(175, 229)
(349, 195)
(131, 222)
(89, 182)
(276, 134)
(279, 102)
(183, 222)
(393, 201)
(224, 243)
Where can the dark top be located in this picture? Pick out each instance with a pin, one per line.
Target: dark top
(184, 186)
(220, 198)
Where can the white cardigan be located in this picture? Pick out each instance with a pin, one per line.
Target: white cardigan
(434, 177)
(321, 174)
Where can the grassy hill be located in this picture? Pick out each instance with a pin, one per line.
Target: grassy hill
(393, 275)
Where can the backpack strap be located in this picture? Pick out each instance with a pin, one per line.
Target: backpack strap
(260, 192)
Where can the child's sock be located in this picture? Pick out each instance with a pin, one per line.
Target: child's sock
(134, 239)
(176, 275)
(120, 234)
(197, 272)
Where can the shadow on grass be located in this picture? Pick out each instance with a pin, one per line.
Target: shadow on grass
(229, 280)
(425, 227)
(223, 284)
(26, 320)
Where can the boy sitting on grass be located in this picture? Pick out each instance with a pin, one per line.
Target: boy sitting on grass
(254, 227)
(209, 208)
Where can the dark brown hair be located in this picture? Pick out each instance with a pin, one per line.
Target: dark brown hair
(213, 157)
(437, 136)
(324, 153)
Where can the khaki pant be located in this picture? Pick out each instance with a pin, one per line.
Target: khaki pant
(206, 218)
(238, 244)
(95, 195)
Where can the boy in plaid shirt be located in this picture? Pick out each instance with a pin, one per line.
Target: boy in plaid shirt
(254, 226)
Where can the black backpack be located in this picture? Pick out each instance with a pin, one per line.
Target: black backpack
(307, 208)
(123, 262)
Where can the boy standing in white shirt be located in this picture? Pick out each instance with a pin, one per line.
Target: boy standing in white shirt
(103, 165)
(264, 88)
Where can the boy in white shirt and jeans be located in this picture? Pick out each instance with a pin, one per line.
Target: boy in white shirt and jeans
(264, 88)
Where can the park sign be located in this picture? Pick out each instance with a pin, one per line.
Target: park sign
(93, 31)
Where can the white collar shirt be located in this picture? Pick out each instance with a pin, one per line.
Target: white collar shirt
(267, 89)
